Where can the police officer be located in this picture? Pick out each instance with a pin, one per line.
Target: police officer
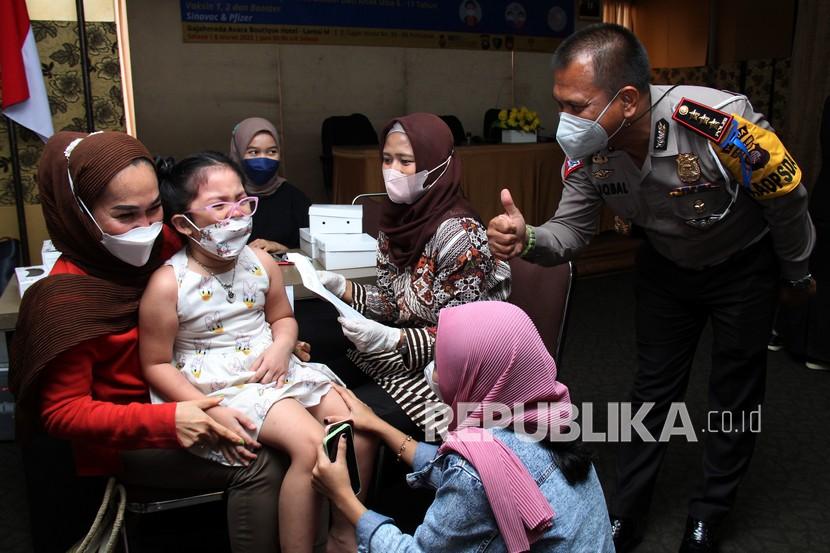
(724, 213)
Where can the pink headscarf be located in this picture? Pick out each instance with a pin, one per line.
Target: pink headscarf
(490, 352)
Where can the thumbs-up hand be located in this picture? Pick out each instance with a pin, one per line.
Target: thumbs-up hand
(506, 232)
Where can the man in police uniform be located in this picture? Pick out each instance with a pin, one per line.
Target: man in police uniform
(725, 217)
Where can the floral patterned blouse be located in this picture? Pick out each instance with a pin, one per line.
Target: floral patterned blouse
(456, 267)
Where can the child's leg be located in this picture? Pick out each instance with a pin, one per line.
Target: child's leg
(289, 427)
(332, 406)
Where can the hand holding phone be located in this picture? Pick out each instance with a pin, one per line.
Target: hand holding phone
(333, 433)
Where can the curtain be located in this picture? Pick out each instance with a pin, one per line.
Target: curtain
(809, 84)
(620, 12)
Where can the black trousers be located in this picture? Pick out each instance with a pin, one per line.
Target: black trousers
(318, 324)
(672, 308)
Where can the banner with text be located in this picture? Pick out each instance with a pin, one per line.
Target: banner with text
(498, 25)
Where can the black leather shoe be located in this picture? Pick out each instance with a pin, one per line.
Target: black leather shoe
(625, 534)
(699, 537)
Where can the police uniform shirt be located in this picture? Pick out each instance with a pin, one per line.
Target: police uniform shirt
(690, 196)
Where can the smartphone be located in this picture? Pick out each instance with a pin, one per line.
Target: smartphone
(333, 433)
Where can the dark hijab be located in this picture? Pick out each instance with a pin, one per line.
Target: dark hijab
(241, 137)
(410, 227)
(61, 311)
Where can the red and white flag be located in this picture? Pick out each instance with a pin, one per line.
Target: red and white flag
(21, 80)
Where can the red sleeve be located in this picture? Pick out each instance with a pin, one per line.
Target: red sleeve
(70, 412)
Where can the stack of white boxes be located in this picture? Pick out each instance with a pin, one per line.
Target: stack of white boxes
(335, 237)
(26, 276)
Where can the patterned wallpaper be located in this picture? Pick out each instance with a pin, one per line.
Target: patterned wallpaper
(758, 80)
(60, 58)
(57, 43)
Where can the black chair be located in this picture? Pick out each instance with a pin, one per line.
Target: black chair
(543, 293)
(372, 203)
(490, 132)
(459, 137)
(344, 130)
(9, 259)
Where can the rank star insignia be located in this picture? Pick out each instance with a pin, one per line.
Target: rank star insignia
(702, 119)
(601, 173)
(688, 168)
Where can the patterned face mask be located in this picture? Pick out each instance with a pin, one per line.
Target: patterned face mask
(226, 238)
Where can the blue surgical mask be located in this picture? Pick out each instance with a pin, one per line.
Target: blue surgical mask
(261, 169)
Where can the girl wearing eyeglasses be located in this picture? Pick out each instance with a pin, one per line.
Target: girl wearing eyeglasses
(215, 321)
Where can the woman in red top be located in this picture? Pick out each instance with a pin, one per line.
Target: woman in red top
(75, 367)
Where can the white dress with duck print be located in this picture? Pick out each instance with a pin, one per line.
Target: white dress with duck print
(218, 341)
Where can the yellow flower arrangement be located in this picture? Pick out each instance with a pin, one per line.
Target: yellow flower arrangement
(519, 119)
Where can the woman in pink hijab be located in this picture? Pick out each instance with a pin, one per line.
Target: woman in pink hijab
(495, 490)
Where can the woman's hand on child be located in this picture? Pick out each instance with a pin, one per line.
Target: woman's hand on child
(362, 416)
(271, 366)
(240, 424)
(195, 427)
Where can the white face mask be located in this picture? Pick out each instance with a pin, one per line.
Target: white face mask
(134, 246)
(428, 374)
(407, 189)
(581, 137)
(225, 238)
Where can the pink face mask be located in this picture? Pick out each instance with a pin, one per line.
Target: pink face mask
(407, 189)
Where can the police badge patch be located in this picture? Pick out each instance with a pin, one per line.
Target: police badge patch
(570, 166)
(688, 168)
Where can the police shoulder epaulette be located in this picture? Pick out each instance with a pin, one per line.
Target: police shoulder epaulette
(702, 119)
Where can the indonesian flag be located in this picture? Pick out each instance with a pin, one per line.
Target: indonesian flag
(21, 81)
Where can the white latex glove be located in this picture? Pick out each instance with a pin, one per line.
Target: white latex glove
(369, 336)
(334, 282)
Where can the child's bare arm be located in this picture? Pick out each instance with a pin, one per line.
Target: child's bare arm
(158, 325)
(273, 363)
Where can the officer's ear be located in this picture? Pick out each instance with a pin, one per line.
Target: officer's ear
(630, 98)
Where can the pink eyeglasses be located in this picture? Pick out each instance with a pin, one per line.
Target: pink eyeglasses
(222, 211)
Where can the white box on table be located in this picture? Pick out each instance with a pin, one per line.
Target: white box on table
(307, 242)
(345, 251)
(49, 255)
(335, 219)
(26, 276)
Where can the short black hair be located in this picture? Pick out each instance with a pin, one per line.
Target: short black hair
(179, 182)
(619, 57)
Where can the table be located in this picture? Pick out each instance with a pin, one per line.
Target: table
(10, 300)
(531, 172)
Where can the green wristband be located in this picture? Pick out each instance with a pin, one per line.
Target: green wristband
(530, 232)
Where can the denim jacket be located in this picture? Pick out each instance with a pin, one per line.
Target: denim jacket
(460, 518)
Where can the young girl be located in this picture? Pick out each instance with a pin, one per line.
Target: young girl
(215, 320)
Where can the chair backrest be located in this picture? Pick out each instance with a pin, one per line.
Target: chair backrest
(142, 499)
(489, 132)
(344, 130)
(372, 208)
(9, 259)
(543, 293)
(459, 137)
